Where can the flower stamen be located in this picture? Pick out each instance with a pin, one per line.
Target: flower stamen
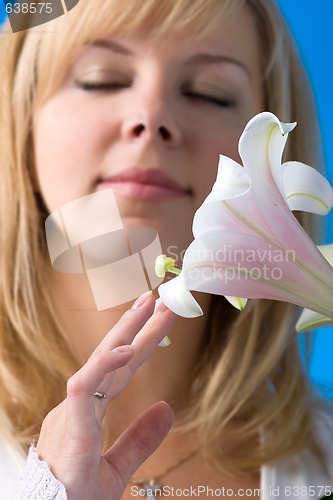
(164, 264)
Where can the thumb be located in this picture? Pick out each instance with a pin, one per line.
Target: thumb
(139, 441)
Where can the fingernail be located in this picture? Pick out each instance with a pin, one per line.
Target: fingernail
(123, 349)
(141, 300)
(160, 307)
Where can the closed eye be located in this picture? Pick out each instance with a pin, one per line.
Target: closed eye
(100, 86)
(209, 99)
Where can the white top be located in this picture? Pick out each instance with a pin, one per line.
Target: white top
(300, 476)
(11, 468)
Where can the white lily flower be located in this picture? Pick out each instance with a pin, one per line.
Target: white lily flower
(247, 243)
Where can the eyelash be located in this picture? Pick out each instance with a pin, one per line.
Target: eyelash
(223, 103)
(113, 87)
(100, 86)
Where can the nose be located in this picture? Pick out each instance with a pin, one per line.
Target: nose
(153, 119)
(163, 132)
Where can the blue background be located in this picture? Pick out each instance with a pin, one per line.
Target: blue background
(311, 25)
(310, 22)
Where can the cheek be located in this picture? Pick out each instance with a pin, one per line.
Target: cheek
(66, 151)
(207, 158)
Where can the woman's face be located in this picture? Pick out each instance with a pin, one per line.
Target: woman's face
(150, 120)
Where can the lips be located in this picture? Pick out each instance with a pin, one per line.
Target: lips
(144, 184)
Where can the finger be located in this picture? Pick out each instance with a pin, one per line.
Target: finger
(139, 441)
(156, 328)
(129, 324)
(80, 402)
(124, 331)
(144, 344)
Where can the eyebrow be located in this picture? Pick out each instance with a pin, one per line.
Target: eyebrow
(197, 59)
(214, 58)
(114, 46)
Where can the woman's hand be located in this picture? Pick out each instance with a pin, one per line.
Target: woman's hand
(71, 436)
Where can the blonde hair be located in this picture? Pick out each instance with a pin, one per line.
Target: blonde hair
(252, 370)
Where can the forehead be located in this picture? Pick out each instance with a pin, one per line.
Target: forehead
(199, 21)
(155, 17)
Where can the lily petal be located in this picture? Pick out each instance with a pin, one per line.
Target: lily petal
(277, 276)
(165, 342)
(306, 189)
(327, 252)
(177, 298)
(230, 214)
(261, 146)
(237, 302)
(309, 320)
(232, 181)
